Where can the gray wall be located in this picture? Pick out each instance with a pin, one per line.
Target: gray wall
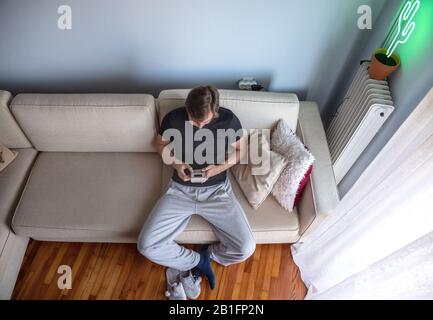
(148, 45)
(408, 85)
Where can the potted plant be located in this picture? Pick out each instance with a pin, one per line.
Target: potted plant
(382, 65)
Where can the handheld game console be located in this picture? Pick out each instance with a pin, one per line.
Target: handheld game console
(198, 176)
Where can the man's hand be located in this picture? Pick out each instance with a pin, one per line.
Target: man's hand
(182, 171)
(212, 170)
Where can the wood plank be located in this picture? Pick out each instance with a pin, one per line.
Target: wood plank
(118, 271)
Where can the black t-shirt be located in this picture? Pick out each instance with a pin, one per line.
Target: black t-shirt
(201, 147)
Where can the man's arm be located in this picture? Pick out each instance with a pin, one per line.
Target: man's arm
(159, 143)
(161, 147)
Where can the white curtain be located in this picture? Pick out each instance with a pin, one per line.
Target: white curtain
(378, 242)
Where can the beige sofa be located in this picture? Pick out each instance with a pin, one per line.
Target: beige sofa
(86, 169)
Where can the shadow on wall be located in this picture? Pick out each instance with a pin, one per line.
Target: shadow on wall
(337, 55)
(123, 83)
(114, 83)
(345, 76)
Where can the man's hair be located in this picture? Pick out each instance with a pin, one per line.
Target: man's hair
(202, 100)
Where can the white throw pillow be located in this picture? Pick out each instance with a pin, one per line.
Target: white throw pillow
(286, 143)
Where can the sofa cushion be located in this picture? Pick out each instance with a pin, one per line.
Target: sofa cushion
(87, 122)
(10, 133)
(91, 197)
(255, 109)
(12, 181)
(270, 223)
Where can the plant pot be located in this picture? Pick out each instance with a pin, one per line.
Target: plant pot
(382, 66)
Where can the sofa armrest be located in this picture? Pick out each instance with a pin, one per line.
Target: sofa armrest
(320, 196)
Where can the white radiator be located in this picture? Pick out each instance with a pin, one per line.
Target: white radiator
(364, 110)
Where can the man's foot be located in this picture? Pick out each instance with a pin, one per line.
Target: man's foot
(205, 267)
(175, 289)
(191, 284)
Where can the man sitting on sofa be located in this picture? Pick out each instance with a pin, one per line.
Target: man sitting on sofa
(212, 198)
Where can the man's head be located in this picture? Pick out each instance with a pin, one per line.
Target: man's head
(202, 105)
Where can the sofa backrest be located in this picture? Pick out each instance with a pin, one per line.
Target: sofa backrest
(11, 135)
(87, 122)
(255, 109)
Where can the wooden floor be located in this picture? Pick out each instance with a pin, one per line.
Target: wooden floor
(118, 271)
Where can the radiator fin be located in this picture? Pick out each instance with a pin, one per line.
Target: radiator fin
(365, 108)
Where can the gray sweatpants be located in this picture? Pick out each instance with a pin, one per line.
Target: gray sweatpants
(216, 204)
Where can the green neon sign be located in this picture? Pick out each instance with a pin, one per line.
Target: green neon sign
(405, 25)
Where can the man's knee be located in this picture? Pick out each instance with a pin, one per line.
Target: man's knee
(145, 246)
(247, 249)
